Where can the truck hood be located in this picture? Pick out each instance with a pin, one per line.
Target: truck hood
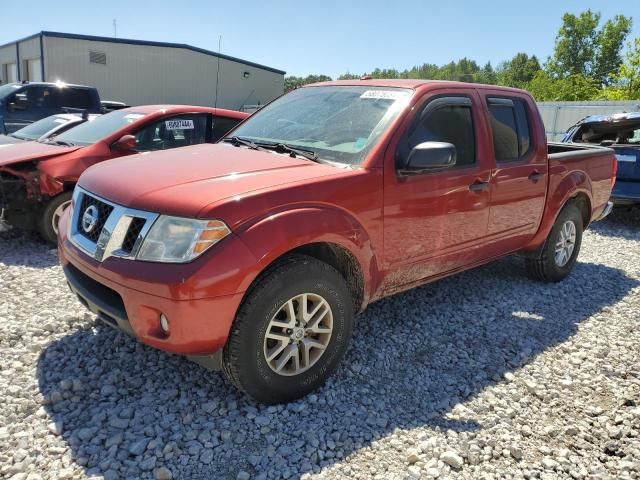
(28, 151)
(185, 180)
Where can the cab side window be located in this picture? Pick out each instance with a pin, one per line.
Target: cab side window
(447, 120)
(172, 132)
(510, 128)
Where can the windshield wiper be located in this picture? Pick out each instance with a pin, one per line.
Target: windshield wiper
(278, 147)
(294, 151)
(237, 141)
(60, 142)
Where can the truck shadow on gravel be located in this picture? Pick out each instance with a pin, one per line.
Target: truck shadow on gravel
(125, 409)
(21, 248)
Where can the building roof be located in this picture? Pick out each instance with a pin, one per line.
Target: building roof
(128, 41)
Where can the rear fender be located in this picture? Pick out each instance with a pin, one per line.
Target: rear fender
(271, 237)
(573, 184)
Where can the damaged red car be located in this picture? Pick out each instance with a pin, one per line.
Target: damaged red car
(37, 178)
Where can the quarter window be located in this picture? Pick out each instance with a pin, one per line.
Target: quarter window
(510, 128)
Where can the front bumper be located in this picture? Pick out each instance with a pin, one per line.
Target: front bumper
(131, 296)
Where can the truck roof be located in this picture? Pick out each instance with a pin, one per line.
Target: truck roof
(616, 117)
(409, 83)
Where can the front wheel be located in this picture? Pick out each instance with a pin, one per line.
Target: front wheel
(556, 258)
(291, 331)
(51, 216)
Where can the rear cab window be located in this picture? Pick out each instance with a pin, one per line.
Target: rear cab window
(72, 97)
(510, 128)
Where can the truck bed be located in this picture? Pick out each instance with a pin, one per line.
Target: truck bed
(570, 151)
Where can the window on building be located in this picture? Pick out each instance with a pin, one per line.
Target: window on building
(510, 128)
(99, 58)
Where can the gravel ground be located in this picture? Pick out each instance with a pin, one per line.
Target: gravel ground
(483, 375)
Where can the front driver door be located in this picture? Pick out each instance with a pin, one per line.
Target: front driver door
(435, 222)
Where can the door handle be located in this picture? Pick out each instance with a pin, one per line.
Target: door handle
(535, 176)
(479, 186)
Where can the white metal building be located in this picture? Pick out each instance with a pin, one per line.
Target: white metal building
(559, 116)
(140, 72)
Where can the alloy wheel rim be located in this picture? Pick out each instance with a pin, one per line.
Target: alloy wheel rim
(566, 243)
(57, 214)
(298, 334)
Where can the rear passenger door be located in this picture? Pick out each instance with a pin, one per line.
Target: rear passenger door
(519, 179)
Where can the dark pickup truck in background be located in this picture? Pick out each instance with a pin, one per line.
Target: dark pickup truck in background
(254, 254)
(26, 102)
(622, 133)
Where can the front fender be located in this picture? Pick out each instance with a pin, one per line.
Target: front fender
(271, 237)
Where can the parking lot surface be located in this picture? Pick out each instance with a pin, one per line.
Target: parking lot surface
(487, 374)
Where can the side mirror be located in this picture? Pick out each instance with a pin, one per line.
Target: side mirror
(126, 143)
(428, 156)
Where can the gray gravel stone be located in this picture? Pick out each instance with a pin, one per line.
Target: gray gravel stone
(502, 376)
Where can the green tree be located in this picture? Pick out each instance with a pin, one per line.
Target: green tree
(626, 83)
(583, 49)
(518, 71)
(292, 82)
(545, 87)
(610, 41)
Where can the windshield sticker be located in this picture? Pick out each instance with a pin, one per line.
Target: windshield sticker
(179, 124)
(384, 94)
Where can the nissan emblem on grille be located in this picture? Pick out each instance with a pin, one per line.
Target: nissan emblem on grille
(89, 218)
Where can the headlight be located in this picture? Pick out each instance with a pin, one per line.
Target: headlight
(180, 240)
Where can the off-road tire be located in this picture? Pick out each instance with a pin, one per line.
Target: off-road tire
(243, 360)
(543, 265)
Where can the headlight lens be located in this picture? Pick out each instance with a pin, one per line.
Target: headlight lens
(180, 240)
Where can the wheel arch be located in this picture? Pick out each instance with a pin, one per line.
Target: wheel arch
(326, 235)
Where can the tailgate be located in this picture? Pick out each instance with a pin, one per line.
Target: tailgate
(628, 162)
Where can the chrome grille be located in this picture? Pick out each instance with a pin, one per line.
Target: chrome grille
(116, 231)
(103, 209)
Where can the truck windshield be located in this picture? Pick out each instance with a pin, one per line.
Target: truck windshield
(39, 128)
(338, 123)
(8, 89)
(91, 132)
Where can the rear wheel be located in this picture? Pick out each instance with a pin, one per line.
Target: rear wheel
(291, 331)
(51, 216)
(556, 258)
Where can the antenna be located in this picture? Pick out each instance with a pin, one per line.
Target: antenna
(215, 103)
(115, 28)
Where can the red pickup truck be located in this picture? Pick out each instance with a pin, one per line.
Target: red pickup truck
(37, 178)
(254, 254)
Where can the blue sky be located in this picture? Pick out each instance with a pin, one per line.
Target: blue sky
(322, 36)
